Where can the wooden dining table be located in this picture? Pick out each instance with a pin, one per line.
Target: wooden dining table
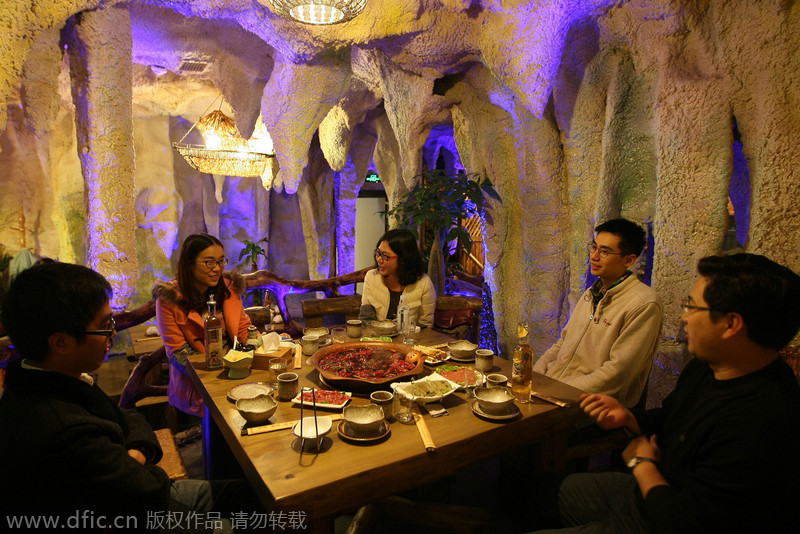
(346, 474)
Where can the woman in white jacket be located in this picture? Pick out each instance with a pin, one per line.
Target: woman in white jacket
(399, 270)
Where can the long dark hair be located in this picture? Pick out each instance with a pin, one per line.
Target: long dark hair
(191, 248)
(410, 267)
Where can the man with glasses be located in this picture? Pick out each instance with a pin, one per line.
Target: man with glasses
(720, 454)
(609, 341)
(68, 452)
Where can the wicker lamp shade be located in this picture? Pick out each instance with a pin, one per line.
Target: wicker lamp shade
(318, 11)
(226, 152)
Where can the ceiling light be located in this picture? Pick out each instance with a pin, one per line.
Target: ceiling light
(226, 152)
(318, 11)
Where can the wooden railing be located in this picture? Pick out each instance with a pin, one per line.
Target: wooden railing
(277, 285)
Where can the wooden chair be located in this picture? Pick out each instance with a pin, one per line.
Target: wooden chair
(172, 461)
(315, 309)
(453, 311)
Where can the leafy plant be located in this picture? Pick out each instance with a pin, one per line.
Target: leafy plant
(250, 253)
(440, 200)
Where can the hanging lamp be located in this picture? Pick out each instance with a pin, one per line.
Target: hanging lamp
(318, 11)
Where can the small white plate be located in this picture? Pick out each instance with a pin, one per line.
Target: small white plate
(434, 363)
(346, 433)
(298, 400)
(323, 425)
(512, 412)
(452, 357)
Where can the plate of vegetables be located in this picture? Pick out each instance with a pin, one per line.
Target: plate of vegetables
(432, 388)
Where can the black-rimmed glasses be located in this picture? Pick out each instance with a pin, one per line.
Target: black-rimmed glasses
(215, 263)
(382, 256)
(108, 333)
(687, 306)
(592, 247)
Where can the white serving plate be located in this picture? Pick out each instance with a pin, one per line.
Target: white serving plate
(400, 387)
(299, 400)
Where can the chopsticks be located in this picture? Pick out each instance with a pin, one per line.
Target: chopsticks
(279, 426)
(298, 356)
(549, 399)
(422, 427)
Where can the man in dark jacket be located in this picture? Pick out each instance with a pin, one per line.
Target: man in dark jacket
(68, 455)
(720, 454)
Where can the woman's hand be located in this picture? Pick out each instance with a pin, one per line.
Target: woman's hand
(607, 412)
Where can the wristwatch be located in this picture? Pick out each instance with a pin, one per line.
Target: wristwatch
(636, 460)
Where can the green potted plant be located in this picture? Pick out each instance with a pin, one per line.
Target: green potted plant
(250, 253)
(439, 202)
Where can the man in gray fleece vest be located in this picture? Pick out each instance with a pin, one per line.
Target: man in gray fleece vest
(609, 341)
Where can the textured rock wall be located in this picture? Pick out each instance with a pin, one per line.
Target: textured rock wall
(577, 110)
(100, 47)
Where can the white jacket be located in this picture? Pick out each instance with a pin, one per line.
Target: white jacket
(611, 350)
(421, 297)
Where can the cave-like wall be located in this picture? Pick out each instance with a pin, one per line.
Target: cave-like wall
(576, 110)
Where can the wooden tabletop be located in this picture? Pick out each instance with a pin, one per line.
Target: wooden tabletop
(346, 474)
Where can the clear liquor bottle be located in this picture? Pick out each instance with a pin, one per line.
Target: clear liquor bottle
(522, 365)
(213, 338)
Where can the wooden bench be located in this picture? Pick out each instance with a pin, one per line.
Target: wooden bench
(315, 309)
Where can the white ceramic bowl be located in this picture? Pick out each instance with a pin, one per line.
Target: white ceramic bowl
(363, 420)
(320, 331)
(384, 328)
(462, 349)
(494, 400)
(257, 410)
(238, 363)
(324, 424)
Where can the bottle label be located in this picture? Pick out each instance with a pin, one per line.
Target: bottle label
(519, 365)
(214, 348)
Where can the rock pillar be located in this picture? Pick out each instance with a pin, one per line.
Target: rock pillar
(99, 45)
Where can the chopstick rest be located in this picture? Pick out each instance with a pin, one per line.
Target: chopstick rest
(422, 427)
(279, 426)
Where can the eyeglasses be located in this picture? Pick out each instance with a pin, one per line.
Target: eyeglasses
(604, 253)
(382, 256)
(107, 333)
(214, 263)
(687, 306)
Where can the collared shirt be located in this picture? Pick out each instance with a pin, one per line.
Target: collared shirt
(27, 364)
(598, 292)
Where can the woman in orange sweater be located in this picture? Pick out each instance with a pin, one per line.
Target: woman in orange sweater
(181, 308)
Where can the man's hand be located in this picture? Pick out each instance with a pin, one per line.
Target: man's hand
(642, 446)
(137, 455)
(607, 412)
(647, 474)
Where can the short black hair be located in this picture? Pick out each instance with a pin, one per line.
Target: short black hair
(764, 293)
(49, 298)
(632, 237)
(410, 266)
